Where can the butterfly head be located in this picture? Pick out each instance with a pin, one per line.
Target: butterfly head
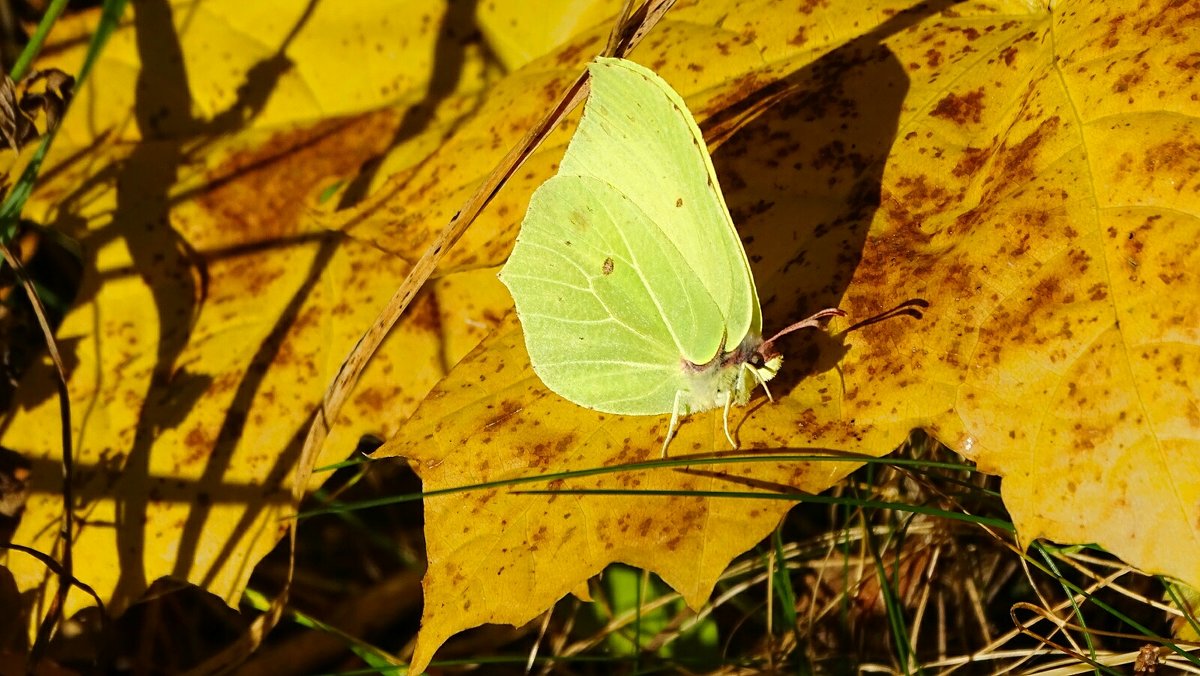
(752, 363)
(762, 359)
(765, 362)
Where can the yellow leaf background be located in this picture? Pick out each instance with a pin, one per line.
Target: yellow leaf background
(215, 309)
(1023, 174)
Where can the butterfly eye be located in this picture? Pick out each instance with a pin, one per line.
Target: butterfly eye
(756, 360)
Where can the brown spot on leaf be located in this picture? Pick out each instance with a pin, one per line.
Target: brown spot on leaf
(1018, 160)
(573, 54)
(1175, 156)
(198, 446)
(254, 193)
(972, 159)
(1131, 77)
(423, 314)
(643, 528)
(508, 408)
(1113, 36)
(960, 109)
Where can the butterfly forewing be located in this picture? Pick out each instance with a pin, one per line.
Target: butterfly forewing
(637, 135)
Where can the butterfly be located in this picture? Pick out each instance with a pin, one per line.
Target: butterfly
(631, 284)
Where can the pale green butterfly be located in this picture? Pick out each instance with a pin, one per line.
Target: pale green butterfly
(628, 275)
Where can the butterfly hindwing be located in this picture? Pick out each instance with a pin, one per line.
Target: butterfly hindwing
(608, 304)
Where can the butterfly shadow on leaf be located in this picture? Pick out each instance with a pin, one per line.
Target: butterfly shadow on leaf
(803, 178)
(818, 351)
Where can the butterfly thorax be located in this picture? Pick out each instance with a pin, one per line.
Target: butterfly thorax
(730, 374)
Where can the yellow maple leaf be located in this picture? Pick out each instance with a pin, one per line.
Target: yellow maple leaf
(215, 308)
(1023, 175)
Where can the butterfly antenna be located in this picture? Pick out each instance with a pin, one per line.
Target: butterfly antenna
(673, 425)
(813, 322)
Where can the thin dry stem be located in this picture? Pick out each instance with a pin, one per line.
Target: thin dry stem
(66, 575)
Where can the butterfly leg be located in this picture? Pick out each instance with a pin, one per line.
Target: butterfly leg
(728, 403)
(759, 379)
(674, 423)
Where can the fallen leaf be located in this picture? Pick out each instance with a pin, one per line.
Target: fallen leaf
(1001, 195)
(518, 36)
(215, 308)
(1082, 381)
